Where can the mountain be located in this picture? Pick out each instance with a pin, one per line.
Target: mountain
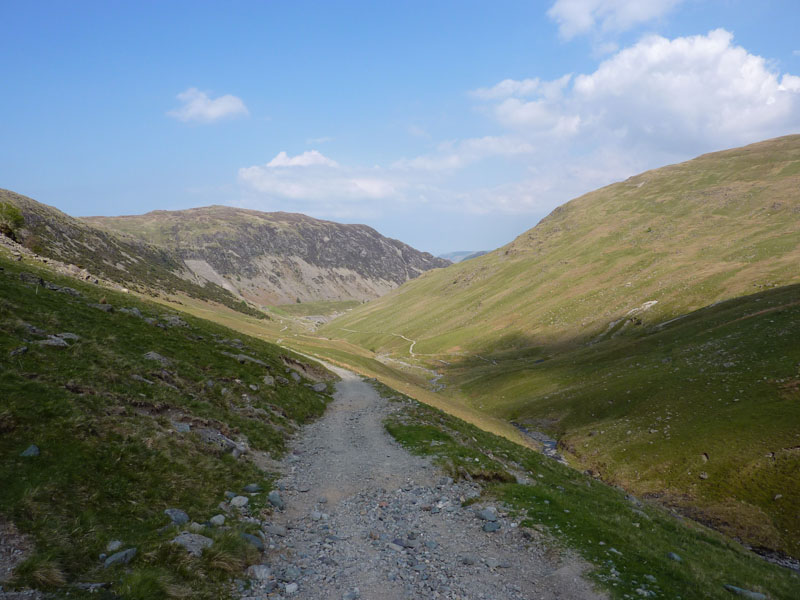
(462, 255)
(121, 259)
(649, 326)
(277, 258)
(648, 249)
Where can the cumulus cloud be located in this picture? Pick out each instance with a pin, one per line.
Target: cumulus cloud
(456, 155)
(311, 176)
(689, 94)
(309, 158)
(199, 107)
(576, 17)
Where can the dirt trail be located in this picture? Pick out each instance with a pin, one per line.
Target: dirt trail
(364, 518)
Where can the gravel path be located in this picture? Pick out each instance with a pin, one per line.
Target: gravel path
(366, 519)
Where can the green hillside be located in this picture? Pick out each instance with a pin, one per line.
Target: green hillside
(684, 236)
(649, 326)
(133, 411)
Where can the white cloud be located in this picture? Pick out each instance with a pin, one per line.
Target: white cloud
(452, 155)
(576, 17)
(311, 158)
(197, 106)
(688, 94)
(311, 176)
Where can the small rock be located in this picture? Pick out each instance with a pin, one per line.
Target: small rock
(181, 427)
(281, 380)
(104, 307)
(276, 500)
(468, 560)
(32, 450)
(193, 543)
(155, 356)
(703, 475)
(177, 516)
(353, 594)
(492, 563)
(31, 279)
(240, 501)
(120, 558)
(268, 380)
(487, 514)
(673, 556)
(254, 540)
(744, 593)
(278, 530)
(303, 488)
(259, 572)
(291, 588)
(18, 351)
(217, 520)
(54, 341)
(777, 497)
(295, 376)
(319, 387)
(491, 526)
(252, 488)
(135, 312)
(68, 336)
(113, 546)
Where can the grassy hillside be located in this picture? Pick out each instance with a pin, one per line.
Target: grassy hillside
(123, 434)
(684, 236)
(112, 256)
(650, 326)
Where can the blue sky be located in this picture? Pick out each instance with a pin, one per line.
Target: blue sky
(448, 125)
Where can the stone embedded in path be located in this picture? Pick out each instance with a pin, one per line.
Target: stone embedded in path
(744, 593)
(32, 450)
(353, 594)
(278, 530)
(259, 572)
(193, 543)
(291, 588)
(491, 526)
(488, 514)
(120, 558)
(276, 500)
(177, 516)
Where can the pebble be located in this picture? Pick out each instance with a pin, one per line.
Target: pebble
(217, 520)
(177, 516)
(193, 543)
(291, 588)
(120, 558)
(744, 593)
(32, 450)
(239, 501)
(276, 500)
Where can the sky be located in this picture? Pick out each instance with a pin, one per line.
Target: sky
(450, 125)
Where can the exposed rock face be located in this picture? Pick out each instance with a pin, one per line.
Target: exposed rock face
(273, 258)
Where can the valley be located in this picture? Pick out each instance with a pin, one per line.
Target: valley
(643, 335)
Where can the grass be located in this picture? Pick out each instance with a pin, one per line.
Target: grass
(321, 307)
(111, 460)
(626, 540)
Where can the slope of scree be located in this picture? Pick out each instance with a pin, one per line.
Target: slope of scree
(122, 259)
(278, 258)
(126, 434)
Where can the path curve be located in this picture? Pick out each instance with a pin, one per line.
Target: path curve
(366, 519)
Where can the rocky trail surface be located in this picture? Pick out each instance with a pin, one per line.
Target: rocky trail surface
(363, 518)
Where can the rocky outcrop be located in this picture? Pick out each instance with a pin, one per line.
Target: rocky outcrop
(274, 258)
